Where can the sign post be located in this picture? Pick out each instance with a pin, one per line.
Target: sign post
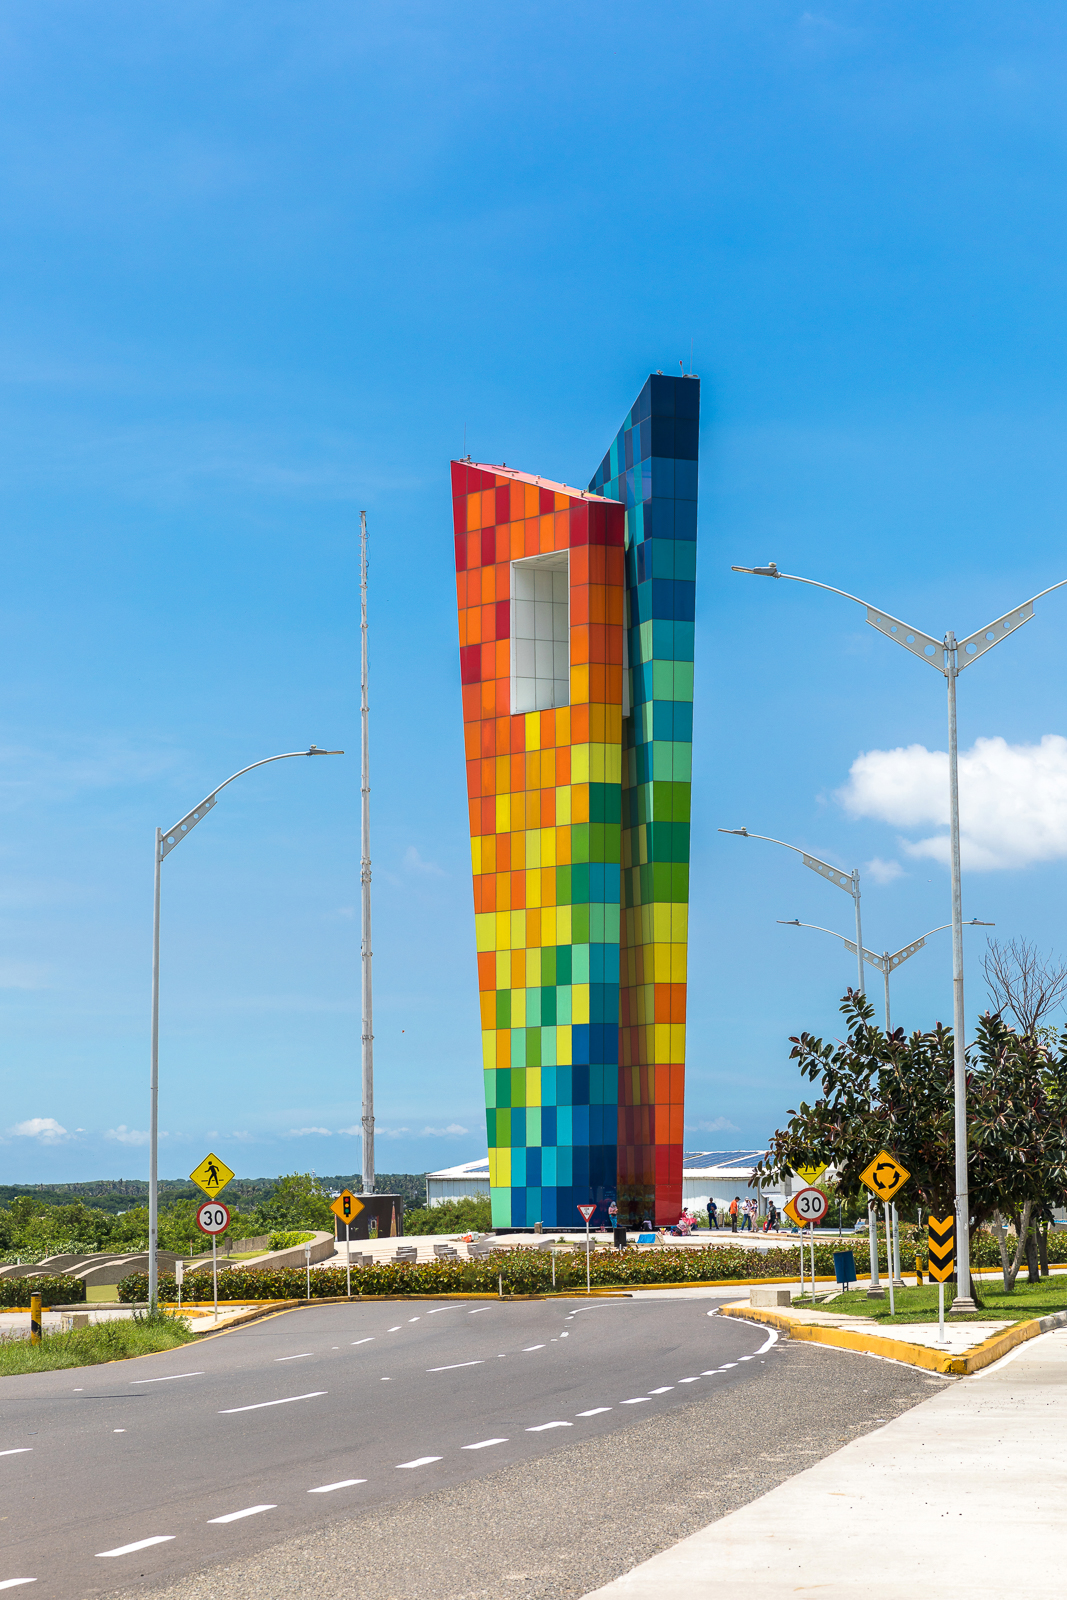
(179, 1274)
(941, 1253)
(346, 1207)
(885, 1177)
(214, 1218)
(808, 1208)
(587, 1212)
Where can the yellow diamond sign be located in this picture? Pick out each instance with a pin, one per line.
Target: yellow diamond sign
(885, 1176)
(811, 1174)
(212, 1175)
(346, 1206)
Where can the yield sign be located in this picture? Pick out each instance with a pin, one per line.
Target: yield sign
(885, 1175)
(587, 1211)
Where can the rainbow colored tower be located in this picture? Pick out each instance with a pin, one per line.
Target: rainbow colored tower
(576, 649)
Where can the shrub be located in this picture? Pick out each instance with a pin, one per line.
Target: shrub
(54, 1291)
(287, 1241)
(468, 1215)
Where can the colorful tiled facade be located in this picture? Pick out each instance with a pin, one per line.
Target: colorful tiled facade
(576, 649)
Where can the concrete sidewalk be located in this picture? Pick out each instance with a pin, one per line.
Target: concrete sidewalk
(961, 1495)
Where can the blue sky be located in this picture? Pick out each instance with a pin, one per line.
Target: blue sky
(262, 266)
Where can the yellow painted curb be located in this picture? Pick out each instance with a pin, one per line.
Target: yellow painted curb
(912, 1355)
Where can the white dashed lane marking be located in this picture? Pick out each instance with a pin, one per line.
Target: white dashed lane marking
(13, 1583)
(23, 1449)
(595, 1411)
(140, 1544)
(483, 1444)
(262, 1404)
(543, 1427)
(249, 1511)
(640, 1401)
(328, 1488)
(301, 1357)
(169, 1378)
(528, 1347)
(419, 1461)
(667, 1387)
(456, 1365)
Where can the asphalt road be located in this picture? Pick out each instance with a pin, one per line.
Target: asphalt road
(340, 1422)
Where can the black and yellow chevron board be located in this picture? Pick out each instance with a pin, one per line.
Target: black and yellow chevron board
(941, 1247)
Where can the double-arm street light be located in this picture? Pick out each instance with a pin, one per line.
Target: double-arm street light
(165, 843)
(949, 656)
(885, 963)
(849, 881)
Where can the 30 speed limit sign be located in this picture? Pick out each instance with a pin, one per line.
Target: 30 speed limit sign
(215, 1218)
(810, 1205)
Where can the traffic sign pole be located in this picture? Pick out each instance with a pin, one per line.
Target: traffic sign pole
(215, 1272)
(889, 1259)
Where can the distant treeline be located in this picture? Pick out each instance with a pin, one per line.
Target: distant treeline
(120, 1194)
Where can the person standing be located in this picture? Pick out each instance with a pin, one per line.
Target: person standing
(734, 1203)
(713, 1220)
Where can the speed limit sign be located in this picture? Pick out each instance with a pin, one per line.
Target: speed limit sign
(212, 1217)
(810, 1205)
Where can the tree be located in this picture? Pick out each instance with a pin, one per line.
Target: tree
(1022, 982)
(896, 1093)
(299, 1201)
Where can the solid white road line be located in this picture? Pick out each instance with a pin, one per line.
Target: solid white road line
(766, 1345)
(328, 1488)
(420, 1461)
(542, 1427)
(301, 1357)
(140, 1544)
(455, 1365)
(262, 1404)
(595, 1411)
(23, 1449)
(249, 1511)
(483, 1444)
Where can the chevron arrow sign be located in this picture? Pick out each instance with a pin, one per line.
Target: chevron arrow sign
(941, 1247)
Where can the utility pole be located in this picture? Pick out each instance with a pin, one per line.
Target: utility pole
(365, 945)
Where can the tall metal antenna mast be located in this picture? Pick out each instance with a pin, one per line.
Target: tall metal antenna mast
(365, 947)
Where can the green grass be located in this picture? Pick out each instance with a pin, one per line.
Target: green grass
(102, 1341)
(920, 1305)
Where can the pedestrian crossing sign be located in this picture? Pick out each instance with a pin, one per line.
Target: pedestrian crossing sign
(811, 1175)
(212, 1175)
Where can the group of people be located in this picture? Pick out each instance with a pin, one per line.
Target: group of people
(742, 1215)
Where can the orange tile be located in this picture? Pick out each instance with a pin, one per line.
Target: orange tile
(487, 970)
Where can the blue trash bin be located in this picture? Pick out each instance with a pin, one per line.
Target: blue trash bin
(844, 1267)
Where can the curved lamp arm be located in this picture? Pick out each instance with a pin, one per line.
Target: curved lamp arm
(174, 836)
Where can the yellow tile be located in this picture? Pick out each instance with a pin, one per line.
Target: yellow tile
(679, 963)
(548, 847)
(503, 813)
(563, 805)
(533, 730)
(533, 969)
(518, 1008)
(533, 848)
(485, 930)
(580, 1002)
(489, 1047)
(503, 969)
(533, 1086)
(579, 763)
(563, 1045)
(677, 1041)
(516, 929)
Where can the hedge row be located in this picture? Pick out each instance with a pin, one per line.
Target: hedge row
(522, 1271)
(54, 1291)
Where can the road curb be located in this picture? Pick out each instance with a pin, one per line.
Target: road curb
(912, 1355)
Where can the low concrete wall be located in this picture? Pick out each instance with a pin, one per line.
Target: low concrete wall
(322, 1247)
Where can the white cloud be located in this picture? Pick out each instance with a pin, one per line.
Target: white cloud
(126, 1135)
(1013, 799)
(46, 1129)
(298, 1133)
(414, 863)
(712, 1125)
(355, 1130)
(452, 1131)
(883, 871)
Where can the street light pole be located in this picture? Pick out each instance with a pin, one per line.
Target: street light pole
(849, 881)
(949, 656)
(367, 1039)
(885, 963)
(165, 843)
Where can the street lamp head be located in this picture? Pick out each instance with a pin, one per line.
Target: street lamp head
(769, 571)
(742, 832)
(791, 922)
(315, 751)
(974, 923)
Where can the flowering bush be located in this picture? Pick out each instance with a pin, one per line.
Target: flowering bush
(522, 1272)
